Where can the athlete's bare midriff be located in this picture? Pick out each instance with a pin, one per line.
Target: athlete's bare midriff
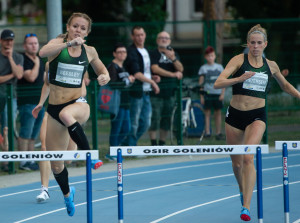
(60, 95)
(246, 103)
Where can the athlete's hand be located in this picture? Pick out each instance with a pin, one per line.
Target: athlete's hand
(103, 79)
(246, 76)
(77, 41)
(36, 110)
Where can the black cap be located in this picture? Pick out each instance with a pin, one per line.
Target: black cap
(7, 34)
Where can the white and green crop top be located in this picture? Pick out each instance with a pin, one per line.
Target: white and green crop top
(67, 71)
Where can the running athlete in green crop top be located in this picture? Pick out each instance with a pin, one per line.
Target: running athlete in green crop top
(68, 57)
(245, 118)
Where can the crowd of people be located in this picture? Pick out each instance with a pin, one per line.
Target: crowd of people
(147, 80)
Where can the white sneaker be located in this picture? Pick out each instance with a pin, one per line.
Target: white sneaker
(42, 197)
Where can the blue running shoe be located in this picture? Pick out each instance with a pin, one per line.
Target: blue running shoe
(245, 214)
(69, 201)
(242, 198)
(96, 164)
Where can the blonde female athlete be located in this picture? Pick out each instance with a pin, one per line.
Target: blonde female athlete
(69, 58)
(245, 121)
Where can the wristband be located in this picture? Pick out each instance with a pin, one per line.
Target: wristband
(173, 61)
(68, 44)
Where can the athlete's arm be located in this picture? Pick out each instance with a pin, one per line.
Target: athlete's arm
(98, 66)
(52, 48)
(283, 83)
(234, 64)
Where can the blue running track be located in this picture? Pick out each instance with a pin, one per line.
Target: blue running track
(191, 192)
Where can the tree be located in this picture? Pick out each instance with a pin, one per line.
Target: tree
(148, 11)
(215, 10)
(283, 36)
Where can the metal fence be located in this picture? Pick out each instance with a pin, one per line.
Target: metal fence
(189, 39)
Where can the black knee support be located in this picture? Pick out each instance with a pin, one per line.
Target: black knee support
(63, 181)
(77, 134)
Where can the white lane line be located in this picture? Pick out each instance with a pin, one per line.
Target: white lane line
(155, 188)
(139, 173)
(297, 221)
(211, 202)
(125, 175)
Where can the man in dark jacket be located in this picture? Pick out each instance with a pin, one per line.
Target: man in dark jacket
(138, 63)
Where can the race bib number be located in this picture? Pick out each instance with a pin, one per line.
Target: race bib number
(258, 82)
(69, 73)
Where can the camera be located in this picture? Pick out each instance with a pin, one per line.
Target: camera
(169, 48)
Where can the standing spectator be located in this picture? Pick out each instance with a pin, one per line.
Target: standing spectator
(119, 79)
(212, 98)
(165, 63)
(11, 69)
(28, 97)
(138, 63)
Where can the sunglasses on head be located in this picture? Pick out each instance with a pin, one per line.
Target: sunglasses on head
(30, 35)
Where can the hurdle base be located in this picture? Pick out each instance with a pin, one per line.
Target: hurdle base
(260, 220)
(287, 217)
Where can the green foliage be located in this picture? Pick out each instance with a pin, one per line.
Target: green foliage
(265, 8)
(99, 11)
(148, 11)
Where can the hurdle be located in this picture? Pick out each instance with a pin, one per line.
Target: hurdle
(87, 155)
(188, 150)
(285, 146)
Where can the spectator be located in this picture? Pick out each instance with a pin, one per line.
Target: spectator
(212, 98)
(32, 81)
(165, 63)
(11, 69)
(120, 79)
(138, 63)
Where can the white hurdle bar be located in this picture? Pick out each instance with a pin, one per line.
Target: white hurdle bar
(189, 150)
(87, 155)
(285, 146)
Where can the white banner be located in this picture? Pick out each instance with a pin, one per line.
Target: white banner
(187, 150)
(291, 145)
(47, 155)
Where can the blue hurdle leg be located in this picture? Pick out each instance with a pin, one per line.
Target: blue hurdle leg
(120, 185)
(89, 188)
(285, 183)
(259, 185)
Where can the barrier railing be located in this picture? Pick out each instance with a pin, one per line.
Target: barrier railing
(285, 146)
(87, 155)
(188, 150)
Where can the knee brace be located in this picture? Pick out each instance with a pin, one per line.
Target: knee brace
(78, 136)
(63, 181)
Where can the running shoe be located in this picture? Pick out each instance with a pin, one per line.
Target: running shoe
(96, 164)
(25, 166)
(43, 196)
(242, 198)
(34, 166)
(245, 214)
(69, 201)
